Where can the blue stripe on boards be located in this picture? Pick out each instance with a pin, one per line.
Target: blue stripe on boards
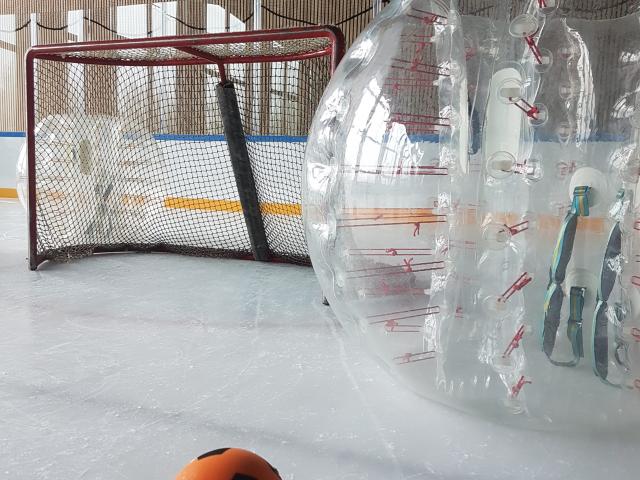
(12, 134)
(220, 138)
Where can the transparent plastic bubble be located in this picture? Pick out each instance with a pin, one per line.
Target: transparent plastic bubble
(390, 238)
(76, 170)
(22, 177)
(63, 150)
(481, 237)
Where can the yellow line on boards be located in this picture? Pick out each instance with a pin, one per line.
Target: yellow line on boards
(230, 206)
(8, 193)
(291, 209)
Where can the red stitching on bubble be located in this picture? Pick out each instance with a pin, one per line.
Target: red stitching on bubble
(414, 357)
(522, 281)
(530, 110)
(515, 342)
(407, 265)
(517, 388)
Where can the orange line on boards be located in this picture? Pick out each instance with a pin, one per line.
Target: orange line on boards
(230, 206)
(8, 193)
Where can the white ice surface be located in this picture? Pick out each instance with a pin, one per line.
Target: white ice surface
(126, 366)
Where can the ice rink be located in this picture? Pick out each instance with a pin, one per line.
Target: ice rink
(127, 366)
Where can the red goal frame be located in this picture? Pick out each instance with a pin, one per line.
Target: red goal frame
(186, 44)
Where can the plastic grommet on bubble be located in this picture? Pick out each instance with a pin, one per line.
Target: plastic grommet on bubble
(524, 26)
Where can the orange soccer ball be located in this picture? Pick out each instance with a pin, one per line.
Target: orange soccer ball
(229, 464)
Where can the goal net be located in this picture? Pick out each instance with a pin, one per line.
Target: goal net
(190, 144)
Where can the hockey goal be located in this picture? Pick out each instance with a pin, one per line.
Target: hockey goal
(191, 144)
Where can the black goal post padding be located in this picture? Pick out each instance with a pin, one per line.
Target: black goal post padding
(236, 141)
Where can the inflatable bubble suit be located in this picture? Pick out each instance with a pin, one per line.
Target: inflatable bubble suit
(471, 205)
(76, 174)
